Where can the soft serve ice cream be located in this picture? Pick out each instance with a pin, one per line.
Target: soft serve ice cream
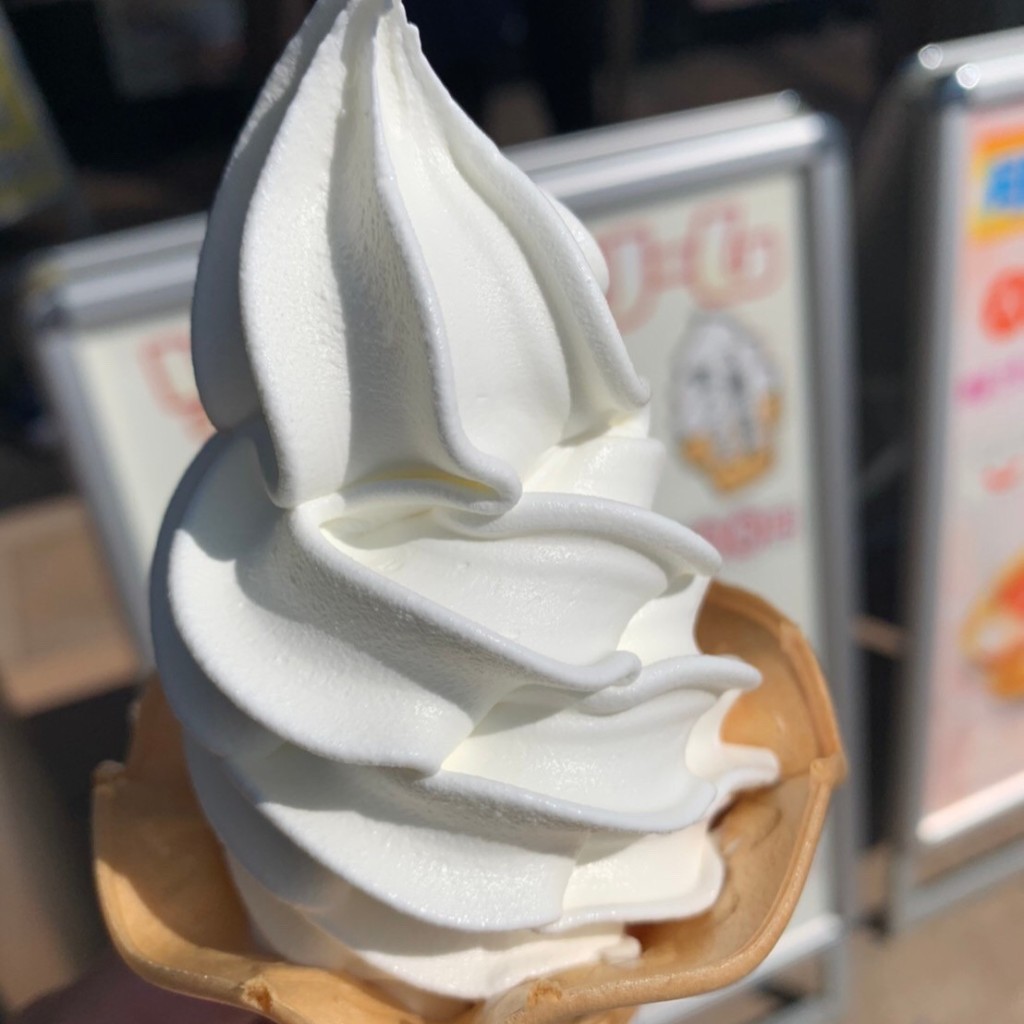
(433, 655)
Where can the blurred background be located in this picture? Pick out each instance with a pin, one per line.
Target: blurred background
(120, 114)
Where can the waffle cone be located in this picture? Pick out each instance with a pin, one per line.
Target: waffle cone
(175, 918)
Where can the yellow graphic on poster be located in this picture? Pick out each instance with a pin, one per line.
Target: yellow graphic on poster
(993, 635)
(710, 292)
(997, 171)
(32, 170)
(975, 755)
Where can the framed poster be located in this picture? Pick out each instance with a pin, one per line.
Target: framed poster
(725, 238)
(975, 760)
(110, 321)
(962, 719)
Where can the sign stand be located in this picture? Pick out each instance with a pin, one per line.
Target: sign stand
(960, 730)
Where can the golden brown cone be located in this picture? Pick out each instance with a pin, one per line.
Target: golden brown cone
(175, 918)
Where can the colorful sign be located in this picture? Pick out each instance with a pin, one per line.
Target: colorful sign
(710, 292)
(997, 173)
(976, 727)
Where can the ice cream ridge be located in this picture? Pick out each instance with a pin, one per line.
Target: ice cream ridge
(433, 654)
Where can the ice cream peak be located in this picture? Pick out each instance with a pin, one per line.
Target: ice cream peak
(433, 653)
(401, 310)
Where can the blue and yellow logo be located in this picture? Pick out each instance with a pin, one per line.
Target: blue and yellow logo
(997, 174)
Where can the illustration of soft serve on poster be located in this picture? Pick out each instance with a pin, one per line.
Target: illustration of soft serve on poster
(710, 294)
(976, 741)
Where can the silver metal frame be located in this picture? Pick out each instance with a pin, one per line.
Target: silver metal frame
(686, 154)
(938, 90)
(544, 158)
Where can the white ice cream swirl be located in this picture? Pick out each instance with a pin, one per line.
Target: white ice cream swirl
(433, 654)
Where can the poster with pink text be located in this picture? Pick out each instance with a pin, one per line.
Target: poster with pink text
(710, 292)
(975, 751)
(138, 380)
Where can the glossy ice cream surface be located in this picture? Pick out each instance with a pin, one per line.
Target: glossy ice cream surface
(432, 651)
